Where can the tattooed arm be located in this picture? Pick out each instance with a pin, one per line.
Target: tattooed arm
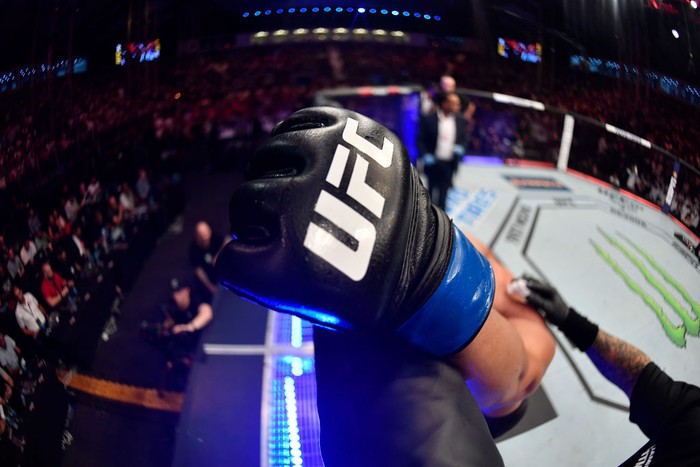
(619, 361)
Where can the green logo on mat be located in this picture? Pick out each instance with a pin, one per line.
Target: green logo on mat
(690, 319)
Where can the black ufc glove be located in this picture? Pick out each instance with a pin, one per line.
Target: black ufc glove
(333, 225)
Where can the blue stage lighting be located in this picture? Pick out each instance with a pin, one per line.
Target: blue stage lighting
(426, 16)
(339, 9)
(314, 9)
(267, 12)
(437, 18)
(394, 12)
(417, 15)
(257, 13)
(292, 10)
(384, 12)
(361, 10)
(280, 11)
(327, 9)
(405, 13)
(302, 10)
(350, 9)
(246, 14)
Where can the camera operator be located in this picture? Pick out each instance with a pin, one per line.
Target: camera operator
(178, 334)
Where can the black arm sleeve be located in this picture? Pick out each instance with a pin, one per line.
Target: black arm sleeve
(668, 412)
(660, 403)
(382, 403)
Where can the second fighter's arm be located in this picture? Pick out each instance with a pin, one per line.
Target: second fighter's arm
(620, 362)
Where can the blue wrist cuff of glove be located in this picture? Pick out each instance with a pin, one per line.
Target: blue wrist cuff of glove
(455, 313)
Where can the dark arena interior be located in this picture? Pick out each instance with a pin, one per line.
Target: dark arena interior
(126, 127)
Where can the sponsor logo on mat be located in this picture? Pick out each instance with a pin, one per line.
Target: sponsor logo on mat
(535, 183)
(660, 280)
(468, 208)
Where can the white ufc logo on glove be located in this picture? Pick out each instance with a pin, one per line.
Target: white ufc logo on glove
(352, 263)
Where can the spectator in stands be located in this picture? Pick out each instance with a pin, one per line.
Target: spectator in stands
(75, 248)
(62, 266)
(15, 268)
(71, 208)
(28, 252)
(41, 240)
(94, 191)
(33, 222)
(127, 200)
(632, 178)
(203, 250)
(30, 315)
(58, 227)
(143, 187)
(115, 217)
(5, 287)
(95, 231)
(54, 288)
(9, 354)
(5, 282)
(62, 224)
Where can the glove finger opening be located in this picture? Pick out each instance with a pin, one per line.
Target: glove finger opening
(252, 224)
(276, 161)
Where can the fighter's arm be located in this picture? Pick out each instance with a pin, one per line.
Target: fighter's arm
(495, 365)
(620, 362)
(530, 329)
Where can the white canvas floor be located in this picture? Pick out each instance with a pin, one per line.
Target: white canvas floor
(590, 242)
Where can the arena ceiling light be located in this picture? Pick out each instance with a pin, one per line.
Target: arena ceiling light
(675, 33)
(694, 4)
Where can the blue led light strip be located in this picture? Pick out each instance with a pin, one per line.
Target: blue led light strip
(290, 399)
(296, 337)
(290, 427)
(350, 9)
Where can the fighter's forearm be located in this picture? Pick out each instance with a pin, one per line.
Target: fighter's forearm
(619, 361)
